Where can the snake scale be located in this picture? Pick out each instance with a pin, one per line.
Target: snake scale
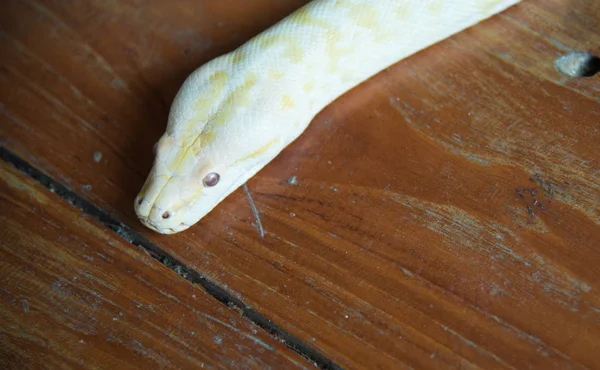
(237, 112)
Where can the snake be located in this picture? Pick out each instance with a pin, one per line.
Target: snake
(234, 114)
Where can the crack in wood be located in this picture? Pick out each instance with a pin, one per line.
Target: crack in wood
(186, 272)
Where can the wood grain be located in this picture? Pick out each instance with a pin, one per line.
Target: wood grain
(445, 213)
(76, 296)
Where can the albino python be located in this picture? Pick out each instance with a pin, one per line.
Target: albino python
(236, 113)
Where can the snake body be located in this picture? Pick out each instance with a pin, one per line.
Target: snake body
(236, 113)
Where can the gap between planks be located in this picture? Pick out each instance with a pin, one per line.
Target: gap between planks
(186, 272)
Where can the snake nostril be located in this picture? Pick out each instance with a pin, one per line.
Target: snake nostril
(140, 200)
(166, 214)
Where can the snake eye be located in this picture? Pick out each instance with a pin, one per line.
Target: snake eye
(211, 179)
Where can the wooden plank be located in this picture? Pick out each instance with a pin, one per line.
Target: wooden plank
(445, 211)
(74, 295)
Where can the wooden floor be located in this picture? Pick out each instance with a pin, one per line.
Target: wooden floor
(444, 214)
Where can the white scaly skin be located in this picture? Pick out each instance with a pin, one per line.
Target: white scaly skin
(236, 113)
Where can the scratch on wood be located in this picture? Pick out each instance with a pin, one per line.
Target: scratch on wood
(513, 124)
(238, 331)
(473, 345)
(543, 348)
(259, 226)
(422, 127)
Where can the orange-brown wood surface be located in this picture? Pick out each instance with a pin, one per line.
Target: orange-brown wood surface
(73, 296)
(444, 214)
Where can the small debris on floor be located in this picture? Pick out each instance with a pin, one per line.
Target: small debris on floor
(97, 157)
(578, 64)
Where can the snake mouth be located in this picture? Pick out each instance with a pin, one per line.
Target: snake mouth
(149, 224)
(162, 230)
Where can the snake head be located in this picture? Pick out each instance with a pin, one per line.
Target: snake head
(191, 173)
(217, 137)
(182, 187)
